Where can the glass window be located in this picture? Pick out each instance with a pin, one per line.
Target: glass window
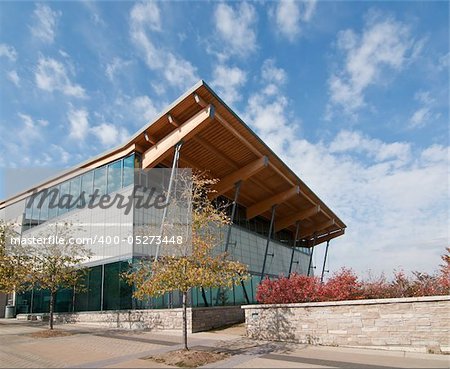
(43, 217)
(126, 290)
(75, 188)
(100, 180)
(87, 181)
(64, 198)
(27, 217)
(94, 289)
(128, 171)
(53, 204)
(111, 294)
(35, 210)
(114, 176)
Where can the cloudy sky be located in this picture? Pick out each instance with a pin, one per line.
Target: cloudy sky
(352, 95)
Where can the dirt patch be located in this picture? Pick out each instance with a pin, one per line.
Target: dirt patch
(188, 359)
(48, 333)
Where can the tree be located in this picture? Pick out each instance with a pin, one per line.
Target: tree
(14, 261)
(201, 264)
(56, 264)
(445, 271)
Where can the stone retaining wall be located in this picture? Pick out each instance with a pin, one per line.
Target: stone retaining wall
(199, 319)
(415, 324)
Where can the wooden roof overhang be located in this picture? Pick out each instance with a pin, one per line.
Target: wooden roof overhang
(217, 140)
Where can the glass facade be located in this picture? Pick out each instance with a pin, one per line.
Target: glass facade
(104, 287)
(106, 179)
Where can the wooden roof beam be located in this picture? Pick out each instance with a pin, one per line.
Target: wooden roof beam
(150, 139)
(183, 133)
(309, 232)
(241, 174)
(291, 219)
(173, 121)
(325, 237)
(210, 147)
(228, 126)
(264, 205)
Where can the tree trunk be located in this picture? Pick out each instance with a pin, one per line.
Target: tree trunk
(52, 306)
(73, 299)
(185, 321)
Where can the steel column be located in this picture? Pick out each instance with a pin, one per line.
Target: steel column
(102, 293)
(268, 241)
(297, 230)
(311, 256)
(324, 261)
(176, 156)
(237, 188)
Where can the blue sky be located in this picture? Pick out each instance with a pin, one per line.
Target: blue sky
(352, 95)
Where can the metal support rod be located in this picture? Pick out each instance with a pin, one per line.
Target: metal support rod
(245, 292)
(32, 300)
(205, 300)
(237, 188)
(311, 256)
(176, 156)
(324, 261)
(297, 230)
(268, 241)
(102, 293)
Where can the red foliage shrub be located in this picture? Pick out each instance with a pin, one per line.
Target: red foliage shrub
(444, 278)
(344, 285)
(297, 288)
(376, 288)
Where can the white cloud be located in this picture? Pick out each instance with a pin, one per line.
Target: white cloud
(267, 109)
(14, 77)
(59, 154)
(32, 127)
(145, 20)
(436, 153)
(383, 43)
(236, 27)
(116, 66)
(444, 62)
(8, 52)
(147, 15)
(424, 114)
(135, 111)
(28, 121)
(376, 150)
(51, 75)
(179, 72)
(271, 74)
(44, 25)
(144, 108)
(290, 14)
(78, 123)
(109, 134)
(228, 81)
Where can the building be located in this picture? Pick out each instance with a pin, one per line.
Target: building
(278, 220)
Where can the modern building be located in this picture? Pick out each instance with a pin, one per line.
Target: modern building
(277, 218)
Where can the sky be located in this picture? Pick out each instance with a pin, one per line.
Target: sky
(353, 96)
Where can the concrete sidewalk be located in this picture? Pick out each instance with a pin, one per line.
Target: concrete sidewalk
(91, 347)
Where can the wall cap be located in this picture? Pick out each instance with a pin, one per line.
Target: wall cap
(350, 302)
